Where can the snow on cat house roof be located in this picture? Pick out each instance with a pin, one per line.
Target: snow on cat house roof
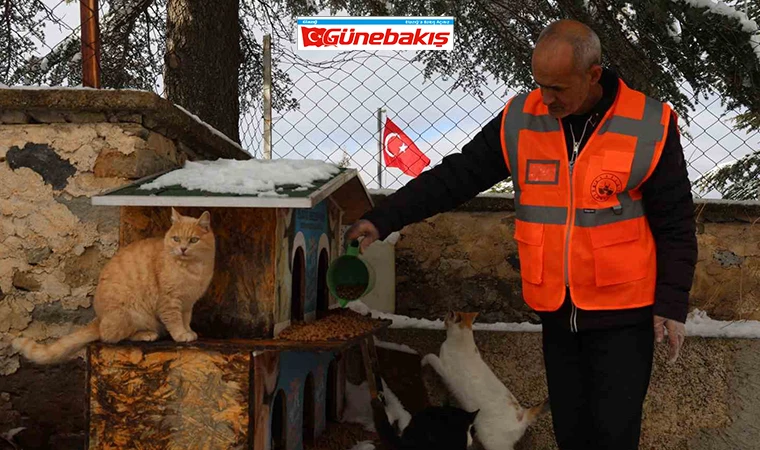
(254, 183)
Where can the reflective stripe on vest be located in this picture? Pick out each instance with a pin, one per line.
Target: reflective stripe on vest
(647, 131)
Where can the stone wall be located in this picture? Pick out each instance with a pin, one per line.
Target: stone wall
(467, 259)
(58, 148)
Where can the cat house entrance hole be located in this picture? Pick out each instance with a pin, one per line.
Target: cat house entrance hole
(323, 293)
(279, 419)
(298, 287)
(309, 418)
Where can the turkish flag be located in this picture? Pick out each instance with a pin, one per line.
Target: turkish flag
(400, 152)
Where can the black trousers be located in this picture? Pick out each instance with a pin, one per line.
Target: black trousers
(597, 381)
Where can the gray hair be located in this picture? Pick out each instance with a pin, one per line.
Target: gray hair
(587, 50)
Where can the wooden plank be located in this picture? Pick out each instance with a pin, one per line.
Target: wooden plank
(369, 357)
(206, 201)
(234, 344)
(185, 398)
(340, 389)
(240, 301)
(354, 199)
(265, 375)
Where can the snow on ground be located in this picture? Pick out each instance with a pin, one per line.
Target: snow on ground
(698, 323)
(426, 324)
(394, 346)
(249, 177)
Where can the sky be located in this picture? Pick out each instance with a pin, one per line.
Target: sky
(338, 112)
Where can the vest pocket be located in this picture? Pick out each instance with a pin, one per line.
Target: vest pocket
(616, 161)
(619, 255)
(530, 246)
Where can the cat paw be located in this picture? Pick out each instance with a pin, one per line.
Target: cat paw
(144, 336)
(187, 336)
(20, 343)
(425, 360)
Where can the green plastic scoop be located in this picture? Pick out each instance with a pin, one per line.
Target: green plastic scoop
(350, 277)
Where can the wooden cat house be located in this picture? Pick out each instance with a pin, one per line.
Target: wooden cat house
(267, 371)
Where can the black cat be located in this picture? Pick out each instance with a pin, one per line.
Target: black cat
(433, 428)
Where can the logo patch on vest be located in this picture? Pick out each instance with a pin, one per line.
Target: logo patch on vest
(605, 186)
(542, 172)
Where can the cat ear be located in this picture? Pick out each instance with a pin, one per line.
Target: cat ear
(205, 221)
(452, 317)
(468, 319)
(175, 216)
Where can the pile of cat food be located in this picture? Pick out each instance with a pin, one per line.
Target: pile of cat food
(350, 291)
(338, 325)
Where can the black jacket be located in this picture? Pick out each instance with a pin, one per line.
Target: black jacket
(666, 194)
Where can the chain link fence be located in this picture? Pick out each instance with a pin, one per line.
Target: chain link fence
(42, 43)
(338, 97)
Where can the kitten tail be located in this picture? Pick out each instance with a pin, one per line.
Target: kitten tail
(60, 350)
(533, 413)
(384, 429)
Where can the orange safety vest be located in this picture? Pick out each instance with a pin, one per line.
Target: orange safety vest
(584, 227)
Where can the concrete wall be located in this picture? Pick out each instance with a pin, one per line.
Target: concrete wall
(57, 149)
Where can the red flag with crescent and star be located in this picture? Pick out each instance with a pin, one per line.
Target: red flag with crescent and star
(400, 152)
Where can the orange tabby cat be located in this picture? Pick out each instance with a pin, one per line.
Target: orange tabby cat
(145, 290)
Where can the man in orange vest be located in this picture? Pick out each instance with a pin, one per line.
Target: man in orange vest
(604, 226)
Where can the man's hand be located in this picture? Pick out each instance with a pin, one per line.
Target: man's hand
(365, 229)
(676, 335)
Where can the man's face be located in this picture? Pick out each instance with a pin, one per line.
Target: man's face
(564, 87)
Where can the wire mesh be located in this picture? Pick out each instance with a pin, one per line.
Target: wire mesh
(335, 96)
(339, 95)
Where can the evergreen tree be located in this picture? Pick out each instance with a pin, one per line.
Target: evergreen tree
(657, 46)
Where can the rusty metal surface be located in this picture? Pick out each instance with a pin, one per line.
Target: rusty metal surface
(188, 398)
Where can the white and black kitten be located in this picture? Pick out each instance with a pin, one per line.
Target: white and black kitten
(435, 427)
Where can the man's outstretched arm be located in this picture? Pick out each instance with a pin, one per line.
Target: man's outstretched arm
(458, 178)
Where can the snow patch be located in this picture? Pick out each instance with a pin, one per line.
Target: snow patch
(212, 129)
(674, 31)
(250, 177)
(393, 346)
(698, 324)
(427, 324)
(719, 7)
(43, 87)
